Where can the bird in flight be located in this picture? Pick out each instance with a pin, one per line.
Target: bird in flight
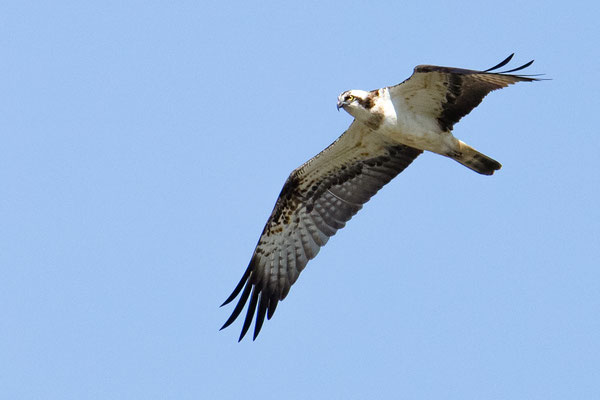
(391, 127)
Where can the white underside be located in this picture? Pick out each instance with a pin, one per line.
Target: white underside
(420, 131)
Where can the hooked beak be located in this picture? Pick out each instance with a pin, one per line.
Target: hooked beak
(340, 104)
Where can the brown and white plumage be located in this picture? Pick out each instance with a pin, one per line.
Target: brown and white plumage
(392, 126)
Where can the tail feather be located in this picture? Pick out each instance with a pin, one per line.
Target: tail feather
(478, 162)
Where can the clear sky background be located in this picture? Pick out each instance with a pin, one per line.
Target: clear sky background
(144, 143)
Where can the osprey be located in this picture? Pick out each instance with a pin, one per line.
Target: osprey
(391, 127)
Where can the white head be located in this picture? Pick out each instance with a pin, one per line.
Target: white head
(357, 103)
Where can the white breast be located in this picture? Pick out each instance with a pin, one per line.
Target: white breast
(417, 130)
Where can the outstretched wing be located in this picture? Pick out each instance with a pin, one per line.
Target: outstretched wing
(317, 199)
(448, 94)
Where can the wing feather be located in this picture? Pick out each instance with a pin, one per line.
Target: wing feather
(501, 63)
(316, 201)
(263, 304)
(251, 308)
(448, 94)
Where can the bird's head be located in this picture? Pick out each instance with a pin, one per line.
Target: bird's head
(357, 103)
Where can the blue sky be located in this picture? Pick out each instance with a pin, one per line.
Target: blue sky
(143, 145)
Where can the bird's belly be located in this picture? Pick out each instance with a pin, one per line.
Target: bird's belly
(420, 134)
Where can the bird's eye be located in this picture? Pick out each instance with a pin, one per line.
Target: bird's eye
(350, 98)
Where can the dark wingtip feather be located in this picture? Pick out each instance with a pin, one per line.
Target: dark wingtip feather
(239, 287)
(518, 68)
(532, 74)
(501, 64)
(250, 312)
(272, 306)
(263, 304)
(240, 305)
